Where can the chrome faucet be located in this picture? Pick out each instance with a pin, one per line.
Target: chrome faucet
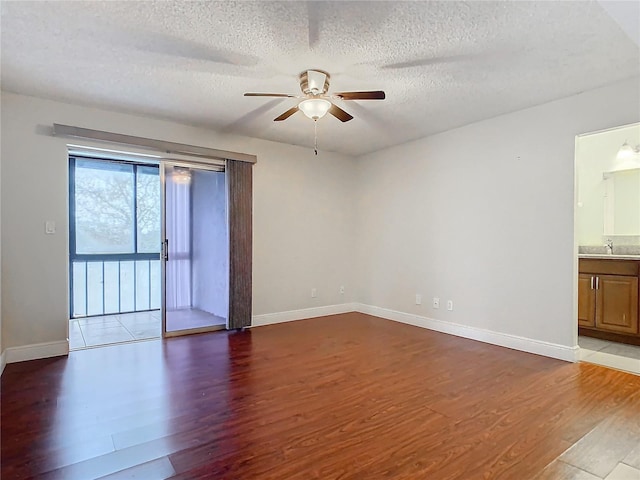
(609, 246)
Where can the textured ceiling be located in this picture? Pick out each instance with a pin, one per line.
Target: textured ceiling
(442, 64)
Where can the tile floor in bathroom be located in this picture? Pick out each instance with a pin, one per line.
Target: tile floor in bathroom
(610, 354)
(110, 329)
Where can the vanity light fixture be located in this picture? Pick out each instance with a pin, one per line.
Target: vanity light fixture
(626, 151)
(627, 158)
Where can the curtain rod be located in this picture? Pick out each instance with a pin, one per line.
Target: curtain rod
(151, 144)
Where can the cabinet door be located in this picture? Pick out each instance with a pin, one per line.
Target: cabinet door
(586, 301)
(617, 303)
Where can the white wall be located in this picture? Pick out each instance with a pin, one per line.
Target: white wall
(210, 243)
(303, 222)
(483, 215)
(595, 155)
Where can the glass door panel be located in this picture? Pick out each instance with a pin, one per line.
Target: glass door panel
(195, 250)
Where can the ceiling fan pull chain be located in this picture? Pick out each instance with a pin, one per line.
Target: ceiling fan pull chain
(315, 136)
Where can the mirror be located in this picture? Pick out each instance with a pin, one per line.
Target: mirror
(622, 203)
(608, 187)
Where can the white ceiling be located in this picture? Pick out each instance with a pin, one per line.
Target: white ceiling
(442, 64)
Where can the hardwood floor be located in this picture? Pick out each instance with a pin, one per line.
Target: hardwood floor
(341, 397)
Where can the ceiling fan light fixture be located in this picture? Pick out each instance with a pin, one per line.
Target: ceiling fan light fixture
(315, 108)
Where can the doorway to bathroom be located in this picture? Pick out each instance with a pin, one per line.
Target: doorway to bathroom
(607, 235)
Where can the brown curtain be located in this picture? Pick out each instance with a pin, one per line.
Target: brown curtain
(239, 181)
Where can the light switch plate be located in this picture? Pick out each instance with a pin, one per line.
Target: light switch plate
(49, 227)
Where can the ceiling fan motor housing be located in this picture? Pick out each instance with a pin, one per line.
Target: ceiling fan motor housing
(314, 82)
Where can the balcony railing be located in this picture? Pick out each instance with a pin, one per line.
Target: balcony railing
(110, 284)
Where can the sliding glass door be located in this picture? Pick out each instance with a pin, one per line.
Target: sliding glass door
(154, 238)
(195, 254)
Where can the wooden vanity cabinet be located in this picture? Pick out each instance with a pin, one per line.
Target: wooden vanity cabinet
(608, 297)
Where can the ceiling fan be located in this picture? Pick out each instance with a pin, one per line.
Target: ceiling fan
(316, 101)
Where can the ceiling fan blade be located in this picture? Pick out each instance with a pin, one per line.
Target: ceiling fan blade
(339, 113)
(373, 95)
(286, 114)
(287, 95)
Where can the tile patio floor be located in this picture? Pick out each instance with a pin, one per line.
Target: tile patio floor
(111, 329)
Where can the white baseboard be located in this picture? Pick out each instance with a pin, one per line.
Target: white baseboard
(553, 350)
(36, 351)
(292, 315)
(3, 361)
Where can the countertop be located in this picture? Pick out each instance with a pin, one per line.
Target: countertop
(604, 256)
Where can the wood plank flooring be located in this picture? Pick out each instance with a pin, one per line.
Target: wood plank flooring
(341, 397)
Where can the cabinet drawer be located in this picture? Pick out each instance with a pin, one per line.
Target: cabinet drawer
(608, 267)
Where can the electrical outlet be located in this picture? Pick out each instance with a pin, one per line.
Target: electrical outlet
(342, 290)
(314, 293)
(450, 305)
(436, 302)
(418, 299)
